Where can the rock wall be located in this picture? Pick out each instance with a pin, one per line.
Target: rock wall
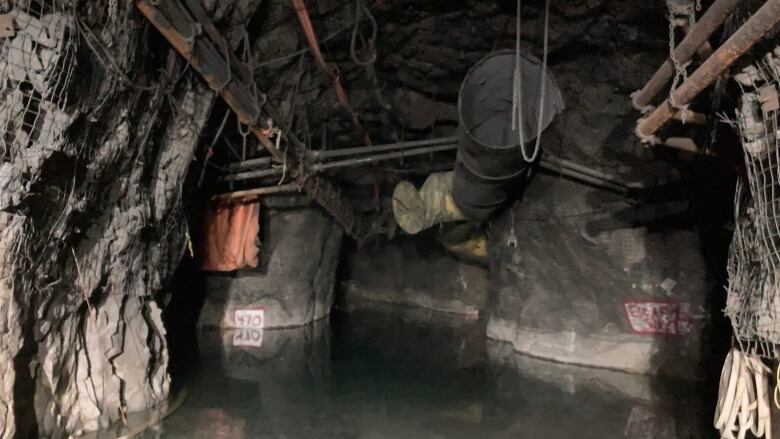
(598, 287)
(295, 284)
(97, 135)
(425, 48)
(414, 271)
(585, 257)
(597, 278)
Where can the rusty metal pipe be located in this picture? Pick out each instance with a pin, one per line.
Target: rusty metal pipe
(743, 39)
(693, 41)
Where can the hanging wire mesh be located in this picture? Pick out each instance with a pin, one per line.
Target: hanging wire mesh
(753, 302)
(37, 59)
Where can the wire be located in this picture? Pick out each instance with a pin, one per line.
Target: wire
(302, 51)
(517, 104)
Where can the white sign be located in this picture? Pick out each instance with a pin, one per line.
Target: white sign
(248, 337)
(249, 318)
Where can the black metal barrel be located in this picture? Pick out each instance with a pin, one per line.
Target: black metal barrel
(490, 167)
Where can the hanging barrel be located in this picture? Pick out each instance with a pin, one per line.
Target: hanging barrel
(490, 167)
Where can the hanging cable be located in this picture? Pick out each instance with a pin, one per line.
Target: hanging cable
(517, 103)
(360, 9)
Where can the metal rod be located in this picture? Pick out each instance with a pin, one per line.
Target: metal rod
(379, 157)
(249, 164)
(248, 175)
(606, 183)
(562, 164)
(549, 162)
(324, 155)
(290, 187)
(583, 177)
(693, 41)
(743, 39)
(318, 154)
(318, 167)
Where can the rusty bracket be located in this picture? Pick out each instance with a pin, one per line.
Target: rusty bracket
(210, 55)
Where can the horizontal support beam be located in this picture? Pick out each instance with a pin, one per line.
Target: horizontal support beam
(561, 166)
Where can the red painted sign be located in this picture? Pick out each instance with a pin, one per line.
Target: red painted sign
(659, 317)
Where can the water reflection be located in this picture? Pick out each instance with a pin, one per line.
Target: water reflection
(377, 374)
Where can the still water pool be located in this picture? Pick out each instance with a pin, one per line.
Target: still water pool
(378, 374)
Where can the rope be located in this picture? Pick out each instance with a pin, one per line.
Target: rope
(278, 134)
(361, 8)
(681, 70)
(517, 104)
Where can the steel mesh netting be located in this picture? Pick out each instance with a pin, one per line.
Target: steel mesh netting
(37, 58)
(753, 303)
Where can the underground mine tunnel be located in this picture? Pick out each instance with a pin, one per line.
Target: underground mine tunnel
(389, 219)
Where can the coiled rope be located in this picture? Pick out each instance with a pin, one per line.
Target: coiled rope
(360, 10)
(517, 102)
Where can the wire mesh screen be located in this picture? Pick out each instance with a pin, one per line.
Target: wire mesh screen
(37, 58)
(754, 259)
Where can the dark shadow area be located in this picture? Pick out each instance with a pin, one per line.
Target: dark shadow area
(708, 189)
(180, 317)
(24, 383)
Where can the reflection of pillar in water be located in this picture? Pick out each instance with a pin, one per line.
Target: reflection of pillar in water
(218, 424)
(290, 368)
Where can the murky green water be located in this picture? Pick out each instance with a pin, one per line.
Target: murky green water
(379, 375)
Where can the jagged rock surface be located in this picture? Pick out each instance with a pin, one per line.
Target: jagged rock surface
(90, 218)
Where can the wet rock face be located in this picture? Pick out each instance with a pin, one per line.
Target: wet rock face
(294, 286)
(91, 227)
(598, 287)
(593, 279)
(414, 271)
